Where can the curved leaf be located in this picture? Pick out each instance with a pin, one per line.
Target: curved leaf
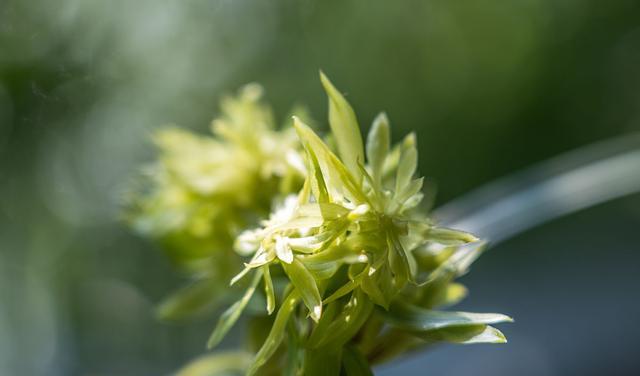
(231, 315)
(276, 334)
(269, 291)
(344, 126)
(410, 317)
(467, 334)
(408, 162)
(349, 321)
(339, 180)
(378, 142)
(306, 285)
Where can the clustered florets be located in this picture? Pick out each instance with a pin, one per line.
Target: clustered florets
(347, 247)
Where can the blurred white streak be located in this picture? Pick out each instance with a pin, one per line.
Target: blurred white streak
(566, 184)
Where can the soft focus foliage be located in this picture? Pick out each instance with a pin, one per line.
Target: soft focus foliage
(204, 190)
(350, 265)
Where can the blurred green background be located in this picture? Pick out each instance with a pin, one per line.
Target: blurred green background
(489, 86)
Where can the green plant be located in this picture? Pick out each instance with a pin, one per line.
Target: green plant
(351, 272)
(203, 190)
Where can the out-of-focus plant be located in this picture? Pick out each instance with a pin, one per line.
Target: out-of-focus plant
(203, 191)
(352, 272)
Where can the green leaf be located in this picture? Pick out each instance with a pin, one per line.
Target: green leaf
(295, 351)
(410, 317)
(276, 334)
(454, 261)
(354, 363)
(465, 255)
(409, 190)
(269, 292)
(408, 162)
(325, 211)
(391, 162)
(305, 193)
(304, 282)
(349, 321)
(231, 315)
(370, 286)
(218, 364)
(398, 260)
(321, 327)
(378, 142)
(318, 184)
(467, 334)
(294, 357)
(324, 264)
(339, 181)
(347, 287)
(344, 126)
(447, 236)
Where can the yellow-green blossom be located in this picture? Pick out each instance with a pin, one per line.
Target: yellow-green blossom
(351, 269)
(355, 251)
(204, 190)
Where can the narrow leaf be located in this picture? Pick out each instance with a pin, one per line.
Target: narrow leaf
(326, 211)
(269, 291)
(276, 334)
(408, 162)
(378, 142)
(321, 327)
(339, 180)
(231, 315)
(411, 317)
(370, 286)
(318, 184)
(447, 236)
(347, 287)
(349, 321)
(468, 334)
(344, 126)
(398, 260)
(304, 282)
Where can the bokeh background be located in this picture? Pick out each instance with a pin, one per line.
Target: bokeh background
(490, 87)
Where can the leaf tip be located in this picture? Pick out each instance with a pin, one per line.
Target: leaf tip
(325, 80)
(213, 340)
(330, 89)
(381, 119)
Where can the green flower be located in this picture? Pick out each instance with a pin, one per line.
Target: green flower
(203, 191)
(355, 266)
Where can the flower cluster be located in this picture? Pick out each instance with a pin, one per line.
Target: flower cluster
(351, 265)
(205, 190)
(350, 269)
